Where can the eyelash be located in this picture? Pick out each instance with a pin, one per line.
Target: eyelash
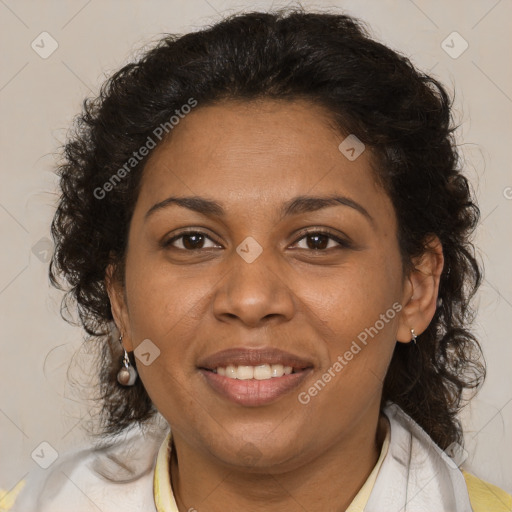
(343, 244)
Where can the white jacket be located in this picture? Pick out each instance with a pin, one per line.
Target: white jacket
(415, 476)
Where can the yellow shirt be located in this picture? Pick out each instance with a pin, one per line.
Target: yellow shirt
(486, 497)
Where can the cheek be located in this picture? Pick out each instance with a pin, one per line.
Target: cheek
(166, 309)
(162, 302)
(361, 308)
(354, 298)
(361, 336)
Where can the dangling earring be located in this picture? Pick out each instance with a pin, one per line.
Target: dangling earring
(127, 375)
(414, 337)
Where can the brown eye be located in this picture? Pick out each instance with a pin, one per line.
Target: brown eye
(190, 241)
(319, 241)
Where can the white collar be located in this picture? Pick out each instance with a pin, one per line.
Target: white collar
(415, 475)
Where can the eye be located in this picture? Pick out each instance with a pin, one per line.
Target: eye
(319, 240)
(189, 241)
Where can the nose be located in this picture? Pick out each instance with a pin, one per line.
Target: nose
(254, 293)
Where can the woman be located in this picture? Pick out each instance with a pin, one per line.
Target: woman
(266, 230)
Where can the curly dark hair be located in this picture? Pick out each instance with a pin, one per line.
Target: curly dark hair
(329, 59)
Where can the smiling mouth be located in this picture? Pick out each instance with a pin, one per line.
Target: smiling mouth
(253, 386)
(258, 372)
(254, 377)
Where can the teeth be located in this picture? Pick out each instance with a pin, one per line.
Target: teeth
(261, 372)
(231, 371)
(245, 372)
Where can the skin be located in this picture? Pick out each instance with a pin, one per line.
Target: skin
(251, 158)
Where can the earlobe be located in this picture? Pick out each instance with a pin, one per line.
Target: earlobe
(421, 291)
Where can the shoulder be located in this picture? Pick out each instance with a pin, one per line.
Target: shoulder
(485, 496)
(454, 481)
(110, 478)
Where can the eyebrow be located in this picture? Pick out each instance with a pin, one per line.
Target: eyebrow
(295, 206)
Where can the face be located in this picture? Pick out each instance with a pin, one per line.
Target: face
(268, 278)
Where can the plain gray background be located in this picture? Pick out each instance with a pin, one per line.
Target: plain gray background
(39, 97)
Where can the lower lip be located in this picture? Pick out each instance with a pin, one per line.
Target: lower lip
(252, 392)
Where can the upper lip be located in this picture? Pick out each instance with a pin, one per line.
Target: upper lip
(253, 357)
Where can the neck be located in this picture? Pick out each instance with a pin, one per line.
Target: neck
(329, 482)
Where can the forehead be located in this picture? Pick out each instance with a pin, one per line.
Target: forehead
(255, 153)
(249, 135)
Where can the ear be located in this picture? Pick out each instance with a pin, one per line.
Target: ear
(421, 288)
(118, 305)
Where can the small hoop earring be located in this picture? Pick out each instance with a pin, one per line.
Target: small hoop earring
(414, 337)
(127, 375)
